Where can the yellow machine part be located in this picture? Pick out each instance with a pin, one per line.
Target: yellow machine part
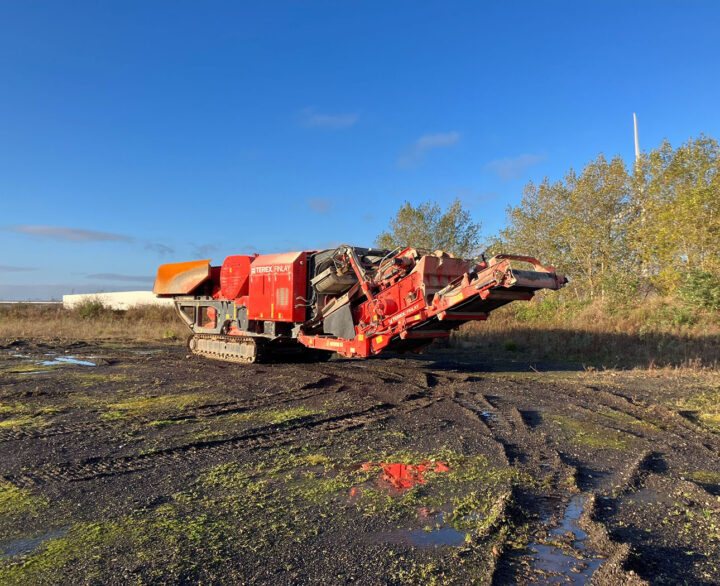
(181, 278)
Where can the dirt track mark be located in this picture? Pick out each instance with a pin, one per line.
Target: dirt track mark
(665, 420)
(192, 414)
(521, 446)
(277, 434)
(307, 427)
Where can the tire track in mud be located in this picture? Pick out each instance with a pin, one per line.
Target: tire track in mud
(649, 423)
(663, 419)
(602, 508)
(306, 428)
(649, 468)
(521, 447)
(543, 459)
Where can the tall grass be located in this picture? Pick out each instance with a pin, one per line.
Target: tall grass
(656, 332)
(90, 321)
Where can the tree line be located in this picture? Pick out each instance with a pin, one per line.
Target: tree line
(654, 227)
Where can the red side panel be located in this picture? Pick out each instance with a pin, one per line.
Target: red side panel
(235, 276)
(276, 281)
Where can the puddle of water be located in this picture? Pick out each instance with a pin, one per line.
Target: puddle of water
(445, 536)
(575, 564)
(66, 360)
(28, 544)
(33, 372)
(569, 522)
(55, 360)
(489, 414)
(647, 497)
(397, 478)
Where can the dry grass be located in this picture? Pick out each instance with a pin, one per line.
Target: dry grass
(91, 321)
(656, 333)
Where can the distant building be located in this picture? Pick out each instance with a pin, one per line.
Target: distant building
(117, 300)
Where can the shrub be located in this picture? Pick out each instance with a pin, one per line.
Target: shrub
(672, 315)
(551, 308)
(701, 290)
(91, 309)
(169, 334)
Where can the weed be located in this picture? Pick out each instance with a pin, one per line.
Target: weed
(166, 422)
(316, 459)
(707, 405)
(275, 417)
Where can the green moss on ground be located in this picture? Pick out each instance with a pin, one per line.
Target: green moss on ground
(16, 501)
(592, 434)
(705, 476)
(288, 497)
(159, 403)
(89, 379)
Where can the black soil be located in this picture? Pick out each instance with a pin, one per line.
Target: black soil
(156, 467)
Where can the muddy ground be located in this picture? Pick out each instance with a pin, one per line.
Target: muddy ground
(155, 467)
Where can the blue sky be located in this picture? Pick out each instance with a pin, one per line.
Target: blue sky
(138, 133)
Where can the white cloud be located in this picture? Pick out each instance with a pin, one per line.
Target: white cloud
(203, 250)
(11, 269)
(512, 167)
(320, 205)
(416, 152)
(69, 234)
(161, 249)
(118, 277)
(312, 119)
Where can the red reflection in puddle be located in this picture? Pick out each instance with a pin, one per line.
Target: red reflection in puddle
(404, 476)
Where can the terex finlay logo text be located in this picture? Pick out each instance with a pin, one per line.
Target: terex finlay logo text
(270, 269)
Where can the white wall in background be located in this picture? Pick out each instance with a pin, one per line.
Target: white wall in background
(119, 300)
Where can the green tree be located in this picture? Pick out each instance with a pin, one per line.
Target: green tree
(579, 224)
(426, 226)
(676, 228)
